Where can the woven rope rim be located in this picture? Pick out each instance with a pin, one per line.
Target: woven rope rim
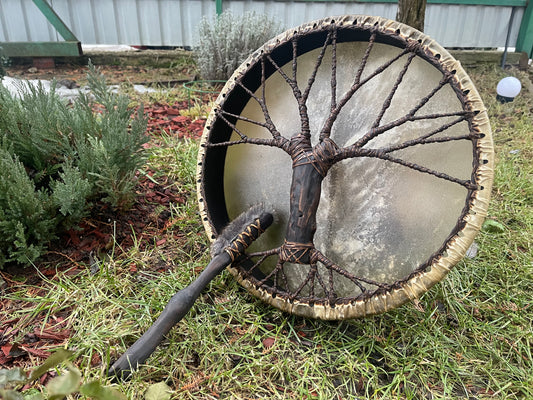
(455, 247)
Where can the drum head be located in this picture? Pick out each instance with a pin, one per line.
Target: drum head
(401, 159)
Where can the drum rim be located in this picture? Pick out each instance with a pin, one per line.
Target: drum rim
(419, 282)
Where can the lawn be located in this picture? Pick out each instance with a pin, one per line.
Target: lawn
(469, 337)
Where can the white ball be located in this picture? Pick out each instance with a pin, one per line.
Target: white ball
(509, 87)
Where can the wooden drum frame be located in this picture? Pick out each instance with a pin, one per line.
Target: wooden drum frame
(373, 148)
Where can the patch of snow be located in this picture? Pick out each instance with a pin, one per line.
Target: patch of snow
(107, 47)
(509, 49)
(143, 89)
(17, 87)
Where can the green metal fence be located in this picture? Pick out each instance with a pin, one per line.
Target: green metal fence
(71, 46)
(524, 42)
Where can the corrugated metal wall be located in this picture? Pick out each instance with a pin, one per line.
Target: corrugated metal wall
(174, 22)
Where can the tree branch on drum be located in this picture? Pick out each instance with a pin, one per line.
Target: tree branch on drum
(376, 153)
(262, 103)
(326, 130)
(410, 116)
(318, 63)
(278, 141)
(388, 100)
(333, 71)
(302, 108)
(423, 139)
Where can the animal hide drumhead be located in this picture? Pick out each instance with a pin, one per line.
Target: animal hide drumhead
(401, 148)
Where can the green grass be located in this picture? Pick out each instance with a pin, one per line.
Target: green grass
(468, 337)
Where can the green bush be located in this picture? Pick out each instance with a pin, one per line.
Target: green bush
(226, 40)
(26, 215)
(57, 159)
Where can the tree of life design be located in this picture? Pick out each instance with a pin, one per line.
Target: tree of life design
(311, 162)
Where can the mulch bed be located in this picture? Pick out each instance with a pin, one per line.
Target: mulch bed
(167, 118)
(147, 223)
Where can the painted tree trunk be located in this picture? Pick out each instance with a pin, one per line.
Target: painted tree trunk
(304, 200)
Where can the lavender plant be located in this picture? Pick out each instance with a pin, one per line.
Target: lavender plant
(226, 40)
(58, 159)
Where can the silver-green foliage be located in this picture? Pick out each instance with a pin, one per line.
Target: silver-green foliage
(58, 159)
(226, 40)
(26, 214)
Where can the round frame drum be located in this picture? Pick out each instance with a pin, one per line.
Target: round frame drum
(373, 148)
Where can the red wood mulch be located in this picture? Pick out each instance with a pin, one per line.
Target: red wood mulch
(167, 118)
(27, 341)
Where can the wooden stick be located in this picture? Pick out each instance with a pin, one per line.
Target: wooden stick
(182, 301)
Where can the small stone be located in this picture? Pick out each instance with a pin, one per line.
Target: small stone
(68, 83)
(472, 250)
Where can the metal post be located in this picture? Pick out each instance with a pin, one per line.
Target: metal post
(511, 18)
(524, 42)
(54, 19)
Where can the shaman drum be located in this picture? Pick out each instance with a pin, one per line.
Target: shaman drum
(373, 148)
